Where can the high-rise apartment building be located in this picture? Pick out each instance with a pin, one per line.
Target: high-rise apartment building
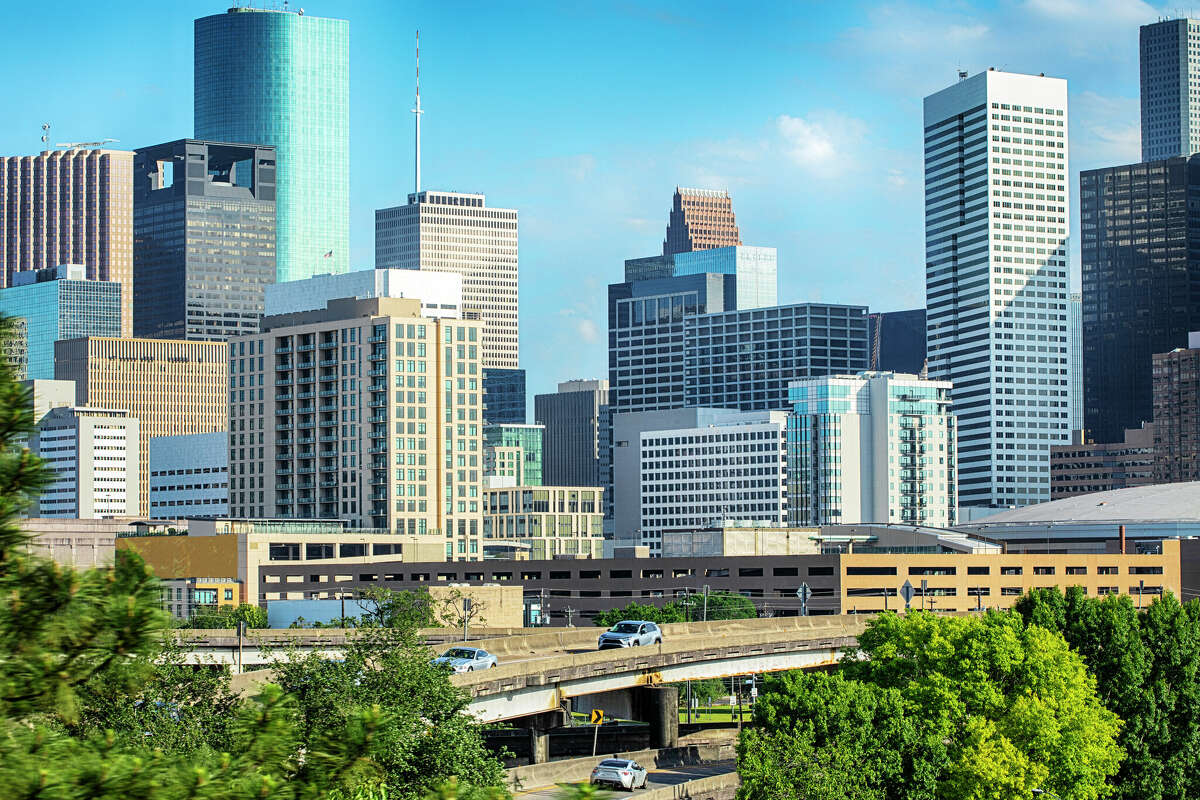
(513, 453)
(204, 238)
(1177, 413)
(1170, 60)
(996, 277)
(746, 359)
(872, 447)
(70, 207)
(93, 453)
(170, 386)
(281, 79)
(364, 411)
(571, 450)
(898, 341)
(696, 467)
(1141, 284)
(59, 303)
(460, 233)
(700, 219)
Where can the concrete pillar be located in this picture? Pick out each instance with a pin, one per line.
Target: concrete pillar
(659, 707)
(539, 746)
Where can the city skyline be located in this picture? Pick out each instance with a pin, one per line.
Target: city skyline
(821, 118)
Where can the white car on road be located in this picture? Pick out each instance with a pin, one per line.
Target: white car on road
(630, 633)
(620, 773)
(466, 659)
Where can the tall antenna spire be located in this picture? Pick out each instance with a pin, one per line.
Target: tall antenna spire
(417, 112)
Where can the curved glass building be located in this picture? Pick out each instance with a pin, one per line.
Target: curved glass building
(282, 78)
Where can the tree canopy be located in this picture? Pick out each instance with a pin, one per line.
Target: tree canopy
(936, 707)
(1146, 666)
(720, 605)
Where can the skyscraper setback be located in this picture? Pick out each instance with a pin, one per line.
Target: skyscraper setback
(1170, 67)
(282, 79)
(996, 215)
(701, 219)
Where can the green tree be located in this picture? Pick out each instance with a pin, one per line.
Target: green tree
(228, 617)
(996, 710)
(1146, 666)
(388, 608)
(720, 605)
(663, 616)
(425, 738)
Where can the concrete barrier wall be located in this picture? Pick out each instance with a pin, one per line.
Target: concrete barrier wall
(716, 787)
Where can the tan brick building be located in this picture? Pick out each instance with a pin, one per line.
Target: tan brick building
(171, 386)
(701, 219)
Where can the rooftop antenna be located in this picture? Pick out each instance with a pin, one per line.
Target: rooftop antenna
(417, 112)
(46, 134)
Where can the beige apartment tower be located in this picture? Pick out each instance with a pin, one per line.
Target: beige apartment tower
(171, 386)
(701, 219)
(70, 207)
(363, 411)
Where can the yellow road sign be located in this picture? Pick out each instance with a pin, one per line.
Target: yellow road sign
(597, 717)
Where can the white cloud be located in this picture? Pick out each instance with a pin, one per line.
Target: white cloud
(587, 330)
(1104, 130)
(823, 143)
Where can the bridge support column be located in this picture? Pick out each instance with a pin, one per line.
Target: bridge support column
(539, 726)
(658, 706)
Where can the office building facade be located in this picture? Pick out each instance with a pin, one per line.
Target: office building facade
(996, 277)
(281, 79)
(1170, 75)
(541, 522)
(1075, 353)
(189, 476)
(460, 233)
(700, 219)
(440, 293)
(572, 419)
(170, 386)
(696, 467)
(1177, 414)
(365, 412)
(756, 268)
(204, 238)
(1138, 299)
(504, 395)
(898, 341)
(70, 207)
(513, 452)
(59, 303)
(747, 359)
(874, 447)
(1088, 467)
(93, 453)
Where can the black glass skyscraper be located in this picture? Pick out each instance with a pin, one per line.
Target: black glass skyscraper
(1140, 248)
(203, 238)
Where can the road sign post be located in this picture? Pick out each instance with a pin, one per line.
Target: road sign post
(906, 591)
(924, 591)
(597, 719)
(804, 592)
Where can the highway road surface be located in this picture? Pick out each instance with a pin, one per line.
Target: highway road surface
(658, 779)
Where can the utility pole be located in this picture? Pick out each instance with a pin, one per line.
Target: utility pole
(706, 602)
(1141, 587)
(570, 612)
(466, 617)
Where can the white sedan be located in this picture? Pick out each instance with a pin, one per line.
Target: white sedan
(620, 773)
(466, 659)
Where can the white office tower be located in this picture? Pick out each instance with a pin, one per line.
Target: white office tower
(453, 232)
(93, 453)
(440, 293)
(996, 277)
(1170, 72)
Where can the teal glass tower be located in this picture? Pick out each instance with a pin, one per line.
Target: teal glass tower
(282, 78)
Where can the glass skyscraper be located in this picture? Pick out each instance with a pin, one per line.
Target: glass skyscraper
(282, 79)
(1170, 72)
(203, 239)
(59, 303)
(755, 267)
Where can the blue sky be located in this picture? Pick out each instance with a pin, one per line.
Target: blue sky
(586, 116)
